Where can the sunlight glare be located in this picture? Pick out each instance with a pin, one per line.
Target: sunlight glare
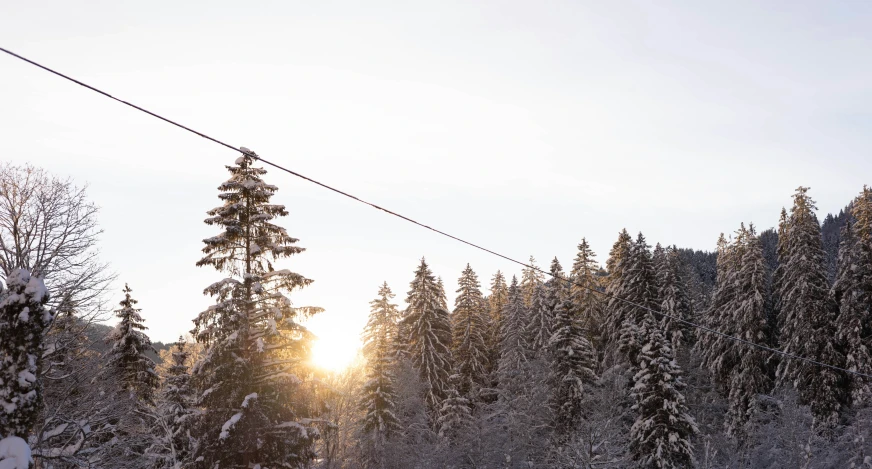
(334, 353)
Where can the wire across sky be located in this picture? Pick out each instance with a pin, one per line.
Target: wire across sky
(248, 152)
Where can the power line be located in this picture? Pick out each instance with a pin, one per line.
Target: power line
(246, 151)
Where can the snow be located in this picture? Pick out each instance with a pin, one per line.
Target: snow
(250, 397)
(14, 453)
(229, 424)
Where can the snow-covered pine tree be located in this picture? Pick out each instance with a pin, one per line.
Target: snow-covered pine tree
(539, 317)
(378, 395)
(750, 376)
(719, 354)
(496, 303)
(589, 305)
(660, 436)
(852, 292)
(455, 417)
(616, 264)
(429, 338)
(809, 316)
(638, 287)
(530, 278)
(469, 350)
(573, 361)
(23, 322)
(127, 358)
(250, 377)
(175, 409)
(513, 346)
(674, 300)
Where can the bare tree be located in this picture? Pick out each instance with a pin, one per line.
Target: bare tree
(48, 226)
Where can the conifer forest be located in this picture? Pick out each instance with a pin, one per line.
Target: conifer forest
(755, 354)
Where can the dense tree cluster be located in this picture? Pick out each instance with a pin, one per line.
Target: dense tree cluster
(592, 366)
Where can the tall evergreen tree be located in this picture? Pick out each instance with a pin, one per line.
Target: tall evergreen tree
(540, 319)
(429, 338)
(852, 292)
(497, 300)
(175, 407)
(23, 323)
(513, 346)
(617, 263)
(719, 354)
(674, 301)
(808, 314)
(469, 350)
(638, 287)
(585, 284)
(250, 378)
(660, 436)
(750, 376)
(127, 357)
(530, 279)
(573, 361)
(378, 395)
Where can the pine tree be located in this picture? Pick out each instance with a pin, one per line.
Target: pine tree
(378, 395)
(852, 292)
(513, 346)
(660, 436)
(588, 303)
(638, 287)
(127, 358)
(250, 379)
(539, 317)
(23, 323)
(750, 376)
(497, 300)
(719, 354)
(175, 406)
(808, 314)
(674, 302)
(455, 417)
(429, 338)
(573, 361)
(616, 264)
(530, 279)
(469, 350)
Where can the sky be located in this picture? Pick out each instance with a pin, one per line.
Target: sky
(521, 126)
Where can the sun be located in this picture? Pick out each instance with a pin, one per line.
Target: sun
(334, 352)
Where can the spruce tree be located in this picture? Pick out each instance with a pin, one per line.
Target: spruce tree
(127, 358)
(589, 304)
(378, 395)
(455, 417)
(616, 264)
(429, 338)
(808, 313)
(638, 287)
(23, 323)
(852, 292)
(513, 346)
(660, 436)
(674, 301)
(250, 379)
(496, 302)
(468, 323)
(540, 318)
(530, 279)
(573, 361)
(175, 405)
(719, 354)
(750, 376)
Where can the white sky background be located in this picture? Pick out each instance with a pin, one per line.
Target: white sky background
(522, 126)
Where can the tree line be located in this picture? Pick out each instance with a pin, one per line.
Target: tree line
(592, 366)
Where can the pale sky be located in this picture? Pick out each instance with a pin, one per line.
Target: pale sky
(523, 126)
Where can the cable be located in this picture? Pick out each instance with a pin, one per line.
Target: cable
(246, 151)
